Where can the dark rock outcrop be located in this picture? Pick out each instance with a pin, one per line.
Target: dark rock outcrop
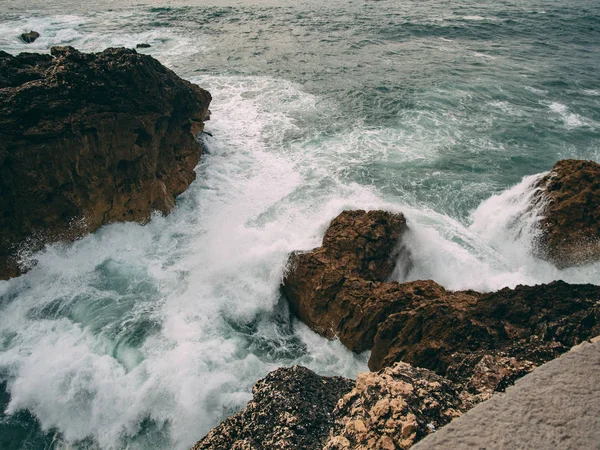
(435, 353)
(358, 244)
(570, 199)
(292, 408)
(90, 139)
(534, 323)
(30, 37)
(361, 306)
(143, 45)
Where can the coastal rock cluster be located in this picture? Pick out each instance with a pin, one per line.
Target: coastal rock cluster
(435, 353)
(90, 139)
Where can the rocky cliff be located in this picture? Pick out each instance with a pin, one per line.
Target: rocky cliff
(90, 139)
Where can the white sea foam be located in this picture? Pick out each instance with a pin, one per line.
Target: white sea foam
(495, 251)
(95, 33)
(570, 119)
(192, 278)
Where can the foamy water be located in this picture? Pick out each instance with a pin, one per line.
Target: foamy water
(144, 337)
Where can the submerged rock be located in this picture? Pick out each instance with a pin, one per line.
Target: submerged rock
(143, 45)
(30, 37)
(291, 408)
(358, 244)
(570, 198)
(90, 139)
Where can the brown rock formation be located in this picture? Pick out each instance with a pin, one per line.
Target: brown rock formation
(361, 306)
(90, 139)
(500, 336)
(467, 345)
(292, 408)
(358, 244)
(570, 195)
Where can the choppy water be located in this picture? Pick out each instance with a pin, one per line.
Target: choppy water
(143, 337)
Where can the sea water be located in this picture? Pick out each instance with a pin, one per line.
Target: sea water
(145, 337)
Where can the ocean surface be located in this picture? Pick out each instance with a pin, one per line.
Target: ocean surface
(144, 337)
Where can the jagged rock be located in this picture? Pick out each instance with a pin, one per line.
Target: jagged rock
(358, 244)
(393, 409)
(570, 199)
(90, 139)
(533, 323)
(30, 37)
(292, 408)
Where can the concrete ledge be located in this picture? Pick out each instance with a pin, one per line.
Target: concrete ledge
(556, 406)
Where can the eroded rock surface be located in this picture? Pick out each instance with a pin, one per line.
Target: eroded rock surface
(340, 290)
(570, 228)
(393, 409)
(90, 139)
(292, 408)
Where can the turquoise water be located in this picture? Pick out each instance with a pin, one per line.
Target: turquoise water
(144, 337)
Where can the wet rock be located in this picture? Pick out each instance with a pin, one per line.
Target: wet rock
(292, 408)
(570, 229)
(143, 45)
(90, 139)
(358, 244)
(393, 409)
(30, 37)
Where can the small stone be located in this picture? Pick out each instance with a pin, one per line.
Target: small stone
(386, 443)
(30, 37)
(381, 408)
